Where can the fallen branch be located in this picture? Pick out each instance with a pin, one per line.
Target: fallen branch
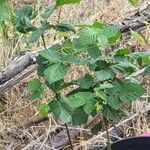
(21, 67)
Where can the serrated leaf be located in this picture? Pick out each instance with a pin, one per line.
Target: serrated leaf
(102, 42)
(94, 52)
(89, 106)
(43, 109)
(4, 10)
(85, 82)
(79, 117)
(79, 99)
(52, 53)
(136, 55)
(25, 11)
(103, 75)
(114, 102)
(61, 110)
(63, 2)
(101, 94)
(101, 65)
(23, 19)
(87, 38)
(48, 11)
(35, 87)
(130, 92)
(55, 86)
(124, 67)
(96, 129)
(38, 32)
(112, 33)
(55, 72)
(110, 113)
(64, 27)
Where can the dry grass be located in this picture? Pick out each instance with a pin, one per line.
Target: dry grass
(15, 107)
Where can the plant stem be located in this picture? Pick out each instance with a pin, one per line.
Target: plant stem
(44, 44)
(69, 136)
(107, 133)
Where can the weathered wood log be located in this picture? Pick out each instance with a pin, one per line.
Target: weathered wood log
(21, 67)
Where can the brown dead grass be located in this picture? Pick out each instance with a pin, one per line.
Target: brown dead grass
(15, 106)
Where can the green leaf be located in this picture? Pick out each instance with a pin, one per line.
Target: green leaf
(122, 52)
(64, 27)
(63, 2)
(86, 39)
(44, 110)
(125, 67)
(79, 99)
(38, 32)
(79, 117)
(85, 82)
(114, 102)
(35, 87)
(99, 25)
(4, 10)
(55, 86)
(137, 55)
(112, 33)
(49, 11)
(133, 2)
(61, 110)
(23, 19)
(52, 53)
(101, 94)
(105, 86)
(55, 72)
(96, 129)
(103, 75)
(94, 52)
(130, 92)
(102, 42)
(89, 107)
(25, 11)
(101, 65)
(110, 113)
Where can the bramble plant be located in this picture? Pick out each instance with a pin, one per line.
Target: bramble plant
(103, 90)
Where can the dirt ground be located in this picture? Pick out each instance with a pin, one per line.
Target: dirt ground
(14, 104)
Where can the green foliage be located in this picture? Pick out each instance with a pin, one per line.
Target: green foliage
(44, 110)
(35, 87)
(79, 117)
(48, 11)
(80, 99)
(100, 90)
(63, 2)
(133, 2)
(55, 72)
(23, 19)
(61, 110)
(85, 82)
(37, 33)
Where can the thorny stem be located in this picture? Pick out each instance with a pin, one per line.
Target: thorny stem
(69, 136)
(107, 133)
